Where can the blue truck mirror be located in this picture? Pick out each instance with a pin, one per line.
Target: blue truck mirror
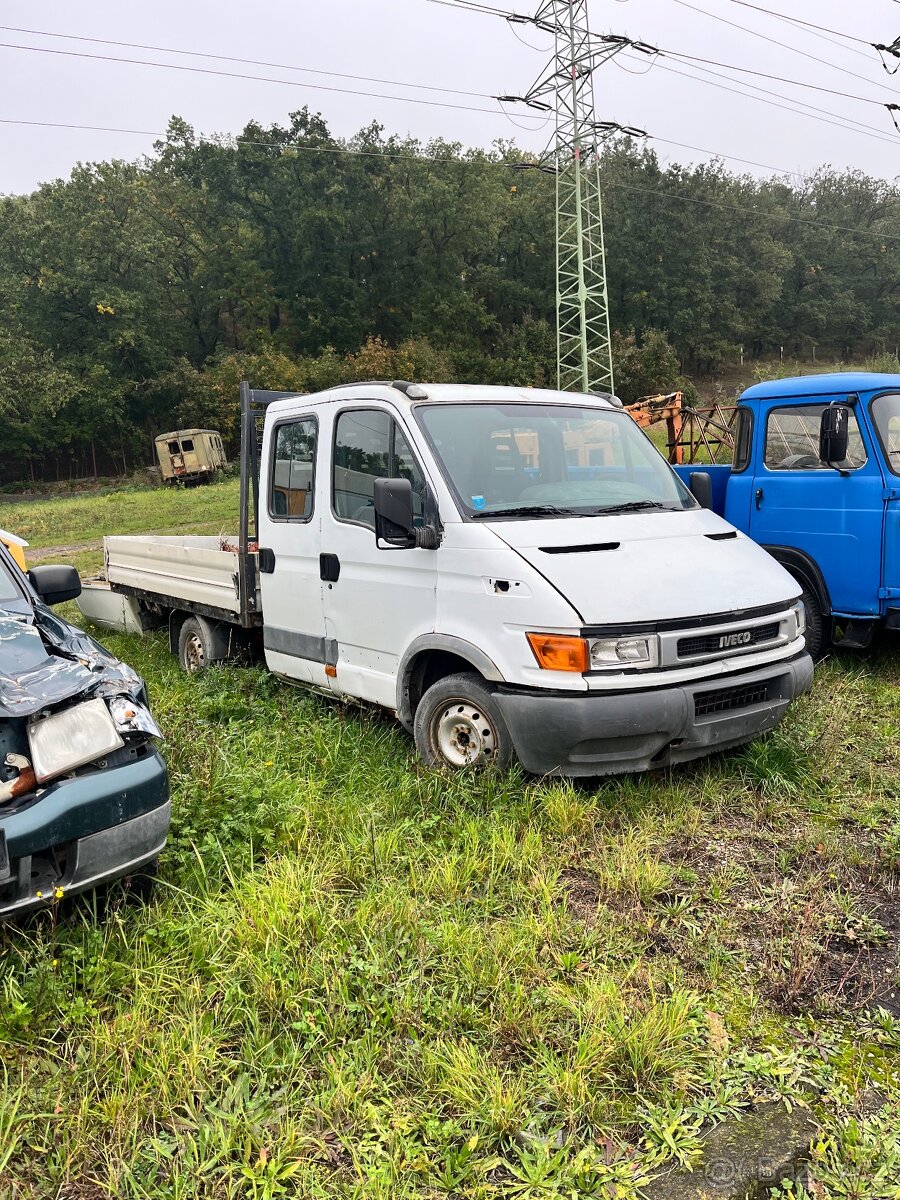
(834, 433)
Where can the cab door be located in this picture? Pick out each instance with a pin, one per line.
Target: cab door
(376, 601)
(289, 547)
(835, 517)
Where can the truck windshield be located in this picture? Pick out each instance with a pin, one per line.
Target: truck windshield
(886, 413)
(523, 461)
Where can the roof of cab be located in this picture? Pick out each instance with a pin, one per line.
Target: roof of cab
(451, 393)
(839, 382)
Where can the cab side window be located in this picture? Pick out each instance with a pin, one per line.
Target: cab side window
(792, 440)
(293, 470)
(370, 445)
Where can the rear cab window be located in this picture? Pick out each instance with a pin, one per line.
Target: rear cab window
(292, 476)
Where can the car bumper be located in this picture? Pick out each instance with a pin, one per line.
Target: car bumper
(84, 832)
(591, 733)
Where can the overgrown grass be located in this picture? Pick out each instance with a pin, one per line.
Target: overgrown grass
(363, 979)
(74, 520)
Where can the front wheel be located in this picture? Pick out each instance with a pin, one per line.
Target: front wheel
(458, 724)
(816, 634)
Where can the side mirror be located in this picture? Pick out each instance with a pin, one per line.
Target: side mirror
(55, 584)
(701, 488)
(394, 522)
(834, 433)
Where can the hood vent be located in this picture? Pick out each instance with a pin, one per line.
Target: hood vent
(721, 537)
(596, 548)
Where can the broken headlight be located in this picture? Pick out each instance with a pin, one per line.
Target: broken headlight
(132, 717)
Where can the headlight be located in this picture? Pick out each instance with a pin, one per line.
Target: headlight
(72, 738)
(800, 613)
(607, 653)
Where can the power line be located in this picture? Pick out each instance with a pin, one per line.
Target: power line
(791, 107)
(250, 62)
(799, 21)
(773, 41)
(320, 87)
(815, 87)
(470, 6)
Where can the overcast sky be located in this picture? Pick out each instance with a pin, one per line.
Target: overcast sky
(433, 44)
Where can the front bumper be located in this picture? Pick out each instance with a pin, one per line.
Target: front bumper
(83, 832)
(593, 733)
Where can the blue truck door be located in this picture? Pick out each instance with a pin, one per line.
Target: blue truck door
(799, 502)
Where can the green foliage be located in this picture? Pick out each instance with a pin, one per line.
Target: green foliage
(135, 296)
(647, 366)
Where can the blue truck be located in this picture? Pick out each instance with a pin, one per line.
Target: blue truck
(816, 481)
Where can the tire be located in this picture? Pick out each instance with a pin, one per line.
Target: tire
(817, 639)
(458, 724)
(200, 644)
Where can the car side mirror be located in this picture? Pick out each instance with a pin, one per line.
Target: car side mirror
(701, 488)
(394, 521)
(55, 583)
(834, 433)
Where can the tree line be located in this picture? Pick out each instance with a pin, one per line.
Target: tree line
(136, 295)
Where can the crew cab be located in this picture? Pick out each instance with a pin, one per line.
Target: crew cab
(517, 574)
(83, 790)
(816, 481)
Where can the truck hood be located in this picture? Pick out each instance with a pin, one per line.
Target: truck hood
(654, 566)
(45, 661)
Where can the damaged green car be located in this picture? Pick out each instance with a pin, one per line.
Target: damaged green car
(84, 795)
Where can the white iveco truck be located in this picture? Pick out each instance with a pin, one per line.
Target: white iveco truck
(517, 574)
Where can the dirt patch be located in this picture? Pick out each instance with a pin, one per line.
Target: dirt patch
(44, 552)
(582, 895)
(859, 965)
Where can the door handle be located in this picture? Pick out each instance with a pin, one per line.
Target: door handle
(329, 568)
(759, 498)
(266, 560)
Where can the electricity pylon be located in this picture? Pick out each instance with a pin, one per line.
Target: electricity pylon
(566, 87)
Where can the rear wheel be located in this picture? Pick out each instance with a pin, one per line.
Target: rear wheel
(200, 644)
(458, 724)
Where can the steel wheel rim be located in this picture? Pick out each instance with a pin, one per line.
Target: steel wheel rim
(194, 657)
(463, 734)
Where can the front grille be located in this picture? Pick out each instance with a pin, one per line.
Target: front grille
(726, 699)
(711, 643)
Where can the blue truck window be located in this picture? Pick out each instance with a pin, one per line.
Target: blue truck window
(792, 440)
(743, 441)
(886, 414)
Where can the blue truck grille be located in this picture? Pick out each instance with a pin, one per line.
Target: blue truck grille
(726, 699)
(735, 639)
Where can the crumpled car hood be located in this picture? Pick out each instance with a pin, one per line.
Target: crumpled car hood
(45, 661)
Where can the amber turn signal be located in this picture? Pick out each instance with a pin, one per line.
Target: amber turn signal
(555, 652)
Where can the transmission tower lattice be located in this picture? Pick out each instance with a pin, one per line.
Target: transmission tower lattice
(566, 87)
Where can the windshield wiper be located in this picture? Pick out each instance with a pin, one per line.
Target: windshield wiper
(631, 506)
(528, 510)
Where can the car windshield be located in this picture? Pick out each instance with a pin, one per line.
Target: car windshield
(525, 461)
(886, 411)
